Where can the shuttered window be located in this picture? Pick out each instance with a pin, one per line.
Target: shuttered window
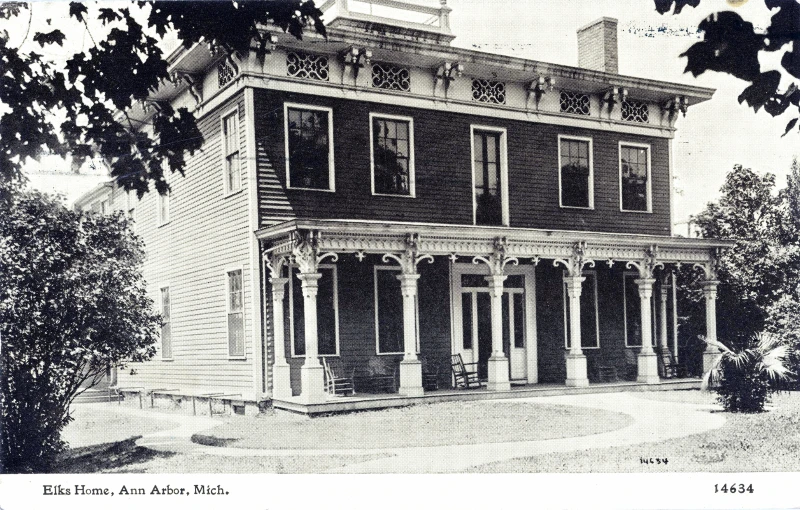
(235, 314)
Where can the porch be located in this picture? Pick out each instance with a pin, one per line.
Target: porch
(535, 311)
(366, 402)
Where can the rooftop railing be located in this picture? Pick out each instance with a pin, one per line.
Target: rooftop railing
(392, 12)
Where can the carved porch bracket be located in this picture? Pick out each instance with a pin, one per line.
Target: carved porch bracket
(711, 268)
(354, 59)
(499, 258)
(194, 82)
(305, 252)
(275, 264)
(446, 74)
(410, 257)
(574, 264)
(538, 88)
(647, 265)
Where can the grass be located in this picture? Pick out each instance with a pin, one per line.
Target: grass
(95, 424)
(445, 423)
(768, 441)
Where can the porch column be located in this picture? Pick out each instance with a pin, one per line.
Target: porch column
(410, 366)
(710, 293)
(576, 361)
(281, 382)
(648, 361)
(663, 341)
(498, 379)
(312, 376)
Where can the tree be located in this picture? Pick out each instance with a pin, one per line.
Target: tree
(731, 45)
(72, 303)
(80, 111)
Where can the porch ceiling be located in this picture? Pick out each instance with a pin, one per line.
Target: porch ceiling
(343, 236)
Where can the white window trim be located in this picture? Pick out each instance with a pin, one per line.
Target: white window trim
(162, 286)
(649, 176)
(159, 214)
(625, 275)
(411, 165)
(294, 281)
(233, 111)
(503, 170)
(591, 172)
(596, 312)
(228, 311)
(375, 298)
(331, 170)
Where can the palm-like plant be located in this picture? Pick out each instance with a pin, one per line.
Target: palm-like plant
(745, 379)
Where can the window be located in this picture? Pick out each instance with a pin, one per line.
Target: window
(235, 307)
(390, 77)
(166, 324)
(225, 73)
(576, 175)
(590, 324)
(488, 91)
(490, 195)
(230, 148)
(392, 155)
(162, 202)
(104, 207)
(307, 66)
(327, 313)
(309, 147)
(632, 306)
(634, 177)
(574, 102)
(635, 111)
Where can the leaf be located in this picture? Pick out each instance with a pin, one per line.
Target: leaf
(789, 127)
(54, 37)
(108, 15)
(664, 6)
(77, 10)
(763, 88)
(730, 45)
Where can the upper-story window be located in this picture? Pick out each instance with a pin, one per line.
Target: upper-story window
(635, 111)
(489, 176)
(235, 307)
(634, 176)
(488, 91)
(166, 323)
(309, 147)
(162, 202)
(391, 77)
(230, 150)
(225, 73)
(576, 175)
(307, 66)
(104, 206)
(574, 102)
(392, 155)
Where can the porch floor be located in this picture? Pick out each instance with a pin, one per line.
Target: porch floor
(368, 401)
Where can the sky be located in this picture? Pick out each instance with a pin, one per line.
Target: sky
(713, 136)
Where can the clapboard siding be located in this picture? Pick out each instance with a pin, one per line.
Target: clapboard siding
(443, 171)
(207, 235)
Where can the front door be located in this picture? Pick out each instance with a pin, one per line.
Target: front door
(472, 313)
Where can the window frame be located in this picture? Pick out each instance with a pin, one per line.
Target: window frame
(503, 132)
(161, 287)
(412, 188)
(290, 293)
(331, 169)
(160, 209)
(227, 272)
(591, 172)
(649, 197)
(396, 269)
(596, 311)
(226, 152)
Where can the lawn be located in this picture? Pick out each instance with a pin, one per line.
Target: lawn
(447, 423)
(768, 441)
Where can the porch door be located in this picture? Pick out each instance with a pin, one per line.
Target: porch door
(472, 328)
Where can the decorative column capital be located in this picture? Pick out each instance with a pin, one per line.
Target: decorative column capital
(410, 257)
(645, 287)
(499, 258)
(574, 264)
(710, 289)
(305, 252)
(278, 287)
(310, 283)
(648, 264)
(274, 264)
(496, 284)
(408, 284)
(574, 285)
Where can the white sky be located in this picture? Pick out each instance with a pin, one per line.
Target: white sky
(710, 140)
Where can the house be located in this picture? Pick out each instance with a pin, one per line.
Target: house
(383, 195)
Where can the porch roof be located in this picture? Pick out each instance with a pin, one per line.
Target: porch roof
(353, 236)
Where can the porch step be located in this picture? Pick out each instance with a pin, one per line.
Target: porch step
(367, 402)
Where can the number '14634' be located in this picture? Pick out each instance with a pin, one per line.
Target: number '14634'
(734, 488)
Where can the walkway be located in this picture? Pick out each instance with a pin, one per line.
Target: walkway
(652, 421)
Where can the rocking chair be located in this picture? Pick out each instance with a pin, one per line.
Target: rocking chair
(462, 377)
(669, 367)
(338, 378)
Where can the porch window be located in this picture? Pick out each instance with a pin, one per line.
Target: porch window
(590, 324)
(576, 175)
(488, 169)
(327, 313)
(309, 147)
(634, 168)
(230, 147)
(166, 324)
(388, 311)
(392, 155)
(632, 311)
(235, 306)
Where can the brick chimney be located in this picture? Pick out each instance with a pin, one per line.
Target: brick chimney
(597, 46)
